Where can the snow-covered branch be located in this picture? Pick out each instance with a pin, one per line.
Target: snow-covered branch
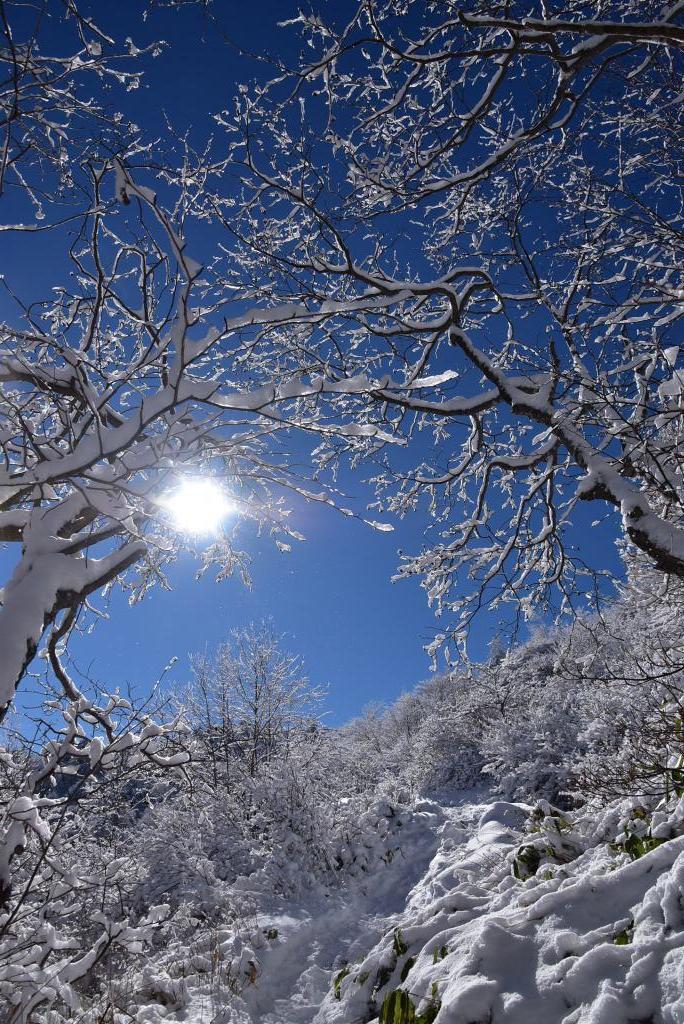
(508, 180)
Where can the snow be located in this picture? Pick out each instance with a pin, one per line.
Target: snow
(32, 592)
(463, 908)
(334, 930)
(459, 908)
(446, 916)
(329, 928)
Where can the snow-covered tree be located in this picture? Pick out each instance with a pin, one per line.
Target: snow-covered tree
(132, 376)
(57, 64)
(250, 705)
(497, 186)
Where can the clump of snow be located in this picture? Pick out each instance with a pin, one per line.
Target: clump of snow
(593, 939)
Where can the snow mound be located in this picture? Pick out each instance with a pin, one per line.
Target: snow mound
(539, 927)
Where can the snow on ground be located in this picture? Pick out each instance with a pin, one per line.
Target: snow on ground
(598, 940)
(591, 937)
(337, 927)
(319, 935)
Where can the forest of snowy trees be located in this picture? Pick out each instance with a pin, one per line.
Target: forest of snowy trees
(440, 253)
(129, 853)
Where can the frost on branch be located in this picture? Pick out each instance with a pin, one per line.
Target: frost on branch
(136, 373)
(52, 111)
(500, 187)
(45, 894)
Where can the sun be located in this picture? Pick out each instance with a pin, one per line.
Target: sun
(198, 506)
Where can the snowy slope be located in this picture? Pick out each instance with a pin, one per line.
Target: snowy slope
(599, 940)
(337, 928)
(286, 966)
(591, 937)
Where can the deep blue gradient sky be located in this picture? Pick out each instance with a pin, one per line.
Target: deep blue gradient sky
(331, 597)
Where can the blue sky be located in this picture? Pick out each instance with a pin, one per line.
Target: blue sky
(331, 597)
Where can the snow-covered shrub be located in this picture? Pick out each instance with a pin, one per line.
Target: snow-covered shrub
(63, 905)
(632, 664)
(426, 739)
(531, 743)
(552, 840)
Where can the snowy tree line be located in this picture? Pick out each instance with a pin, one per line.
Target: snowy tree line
(132, 843)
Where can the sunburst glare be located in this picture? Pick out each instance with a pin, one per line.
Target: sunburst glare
(198, 506)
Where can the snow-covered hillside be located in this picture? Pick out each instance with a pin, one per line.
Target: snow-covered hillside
(447, 928)
(343, 876)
